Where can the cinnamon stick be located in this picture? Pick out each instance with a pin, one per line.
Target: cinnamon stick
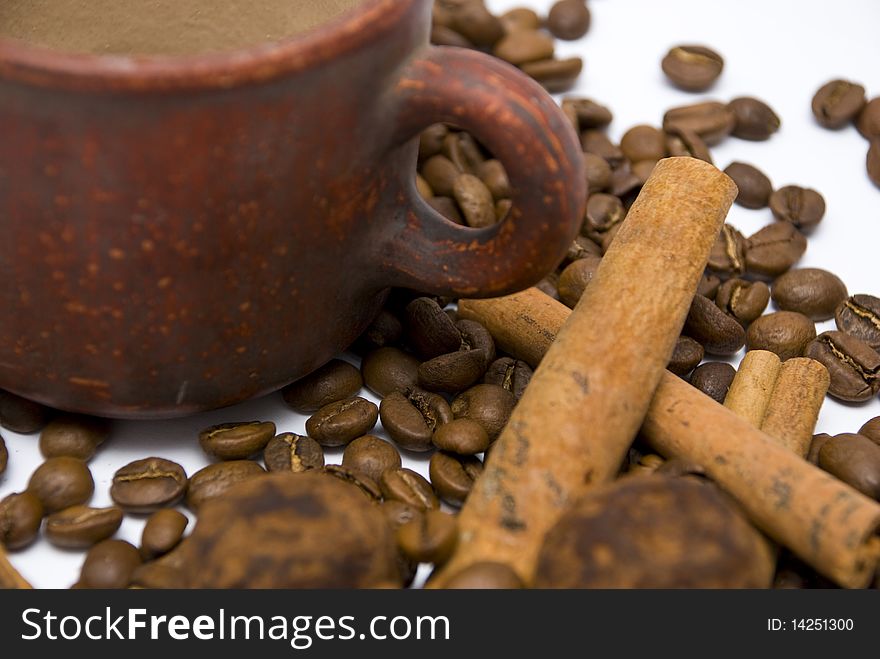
(753, 385)
(588, 397)
(9, 576)
(827, 523)
(793, 406)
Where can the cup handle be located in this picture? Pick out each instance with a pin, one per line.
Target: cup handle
(525, 129)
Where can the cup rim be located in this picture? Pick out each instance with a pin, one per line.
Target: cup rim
(44, 67)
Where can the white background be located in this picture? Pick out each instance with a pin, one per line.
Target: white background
(778, 50)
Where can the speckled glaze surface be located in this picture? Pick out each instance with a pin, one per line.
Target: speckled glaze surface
(181, 234)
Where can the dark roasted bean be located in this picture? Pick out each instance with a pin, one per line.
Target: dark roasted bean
(718, 333)
(855, 460)
(62, 482)
(686, 355)
(853, 365)
(859, 316)
(813, 292)
(215, 479)
(291, 452)
(80, 527)
(774, 250)
(837, 103)
(410, 419)
(803, 207)
(753, 119)
(338, 423)
(692, 68)
(149, 484)
(387, 370)
(409, 487)
(489, 405)
(235, 441)
(428, 330)
(711, 120)
(485, 576)
(461, 436)
(512, 374)
(361, 481)
(110, 564)
(453, 476)
(371, 456)
(728, 255)
(575, 278)
(22, 415)
(744, 300)
(334, 381)
(714, 379)
(430, 538)
(21, 515)
(786, 333)
(162, 533)
(753, 185)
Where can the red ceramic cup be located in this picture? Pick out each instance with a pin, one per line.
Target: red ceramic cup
(183, 233)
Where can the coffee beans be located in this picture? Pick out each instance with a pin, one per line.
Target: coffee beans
(109, 564)
(711, 120)
(838, 102)
(452, 372)
(4, 455)
(682, 141)
(20, 518)
(215, 479)
(692, 68)
(429, 538)
(74, 436)
(303, 530)
(575, 278)
(717, 332)
(859, 316)
(461, 436)
(753, 119)
(371, 456)
(714, 379)
(868, 121)
(754, 186)
(148, 484)
(855, 460)
(473, 21)
(429, 331)
(686, 355)
(411, 419)
(643, 143)
(774, 250)
(338, 423)
(475, 201)
(453, 476)
(871, 430)
(485, 575)
(21, 415)
(524, 46)
(406, 485)
(853, 365)
(786, 333)
(813, 292)
(569, 19)
(489, 405)
(367, 486)
(803, 207)
(162, 533)
(291, 452)
(743, 300)
(728, 255)
(235, 441)
(61, 482)
(79, 527)
(872, 162)
(512, 374)
(589, 113)
(555, 75)
(390, 369)
(334, 381)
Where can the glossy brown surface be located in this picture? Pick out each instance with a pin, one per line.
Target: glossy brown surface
(169, 221)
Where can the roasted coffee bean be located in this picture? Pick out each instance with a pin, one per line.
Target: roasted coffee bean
(728, 255)
(475, 201)
(786, 333)
(718, 333)
(853, 365)
(409, 487)
(816, 445)
(398, 513)
(74, 436)
(431, 140)
(753, 119)
(235, 441)
(598, 172)
(813, 292)
(80, 527)
(575, 278)
(494, 176)
(338, 423)
(446, 36)
(464, 152)
(774, 249)
(428, 330)
(110, 564)
(4, 455)
(162, 533)
(502, 209)
(371, 456)
(642, 170)
(589, 113)
(569, 19)
(754, 186)
(411, 419)
(803, 207)
(838, 102)
(859, 316)
(512, 374)
(855, 460)
(453, 476)
(291, 452)
(61, 482)
(581, 248)
(711, 120)
(623, 182)
(22, 415)
(447, 207)
(334, 381)
(423, 187)
(440, 173)
(744, 300)
(155, 575)
(461, 436)
(554, 75)
(872, 161)
(21, 515)
(598, 143)
(524, 46)
(489, 405)
(708, 286)
(485, 576)
(682, 141)
(385, 330)
(714, 379)
(361, 481)
(474, 336)
(148, 484)
(686, 355)
(520, 18)
(871, 430)
(390, 369)
(692, 68)
(643, 142)
(215, 479)
(603, 212)
(453, 372)
(868, 121)
(430, 538)
(548, 286)
(477, 24)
